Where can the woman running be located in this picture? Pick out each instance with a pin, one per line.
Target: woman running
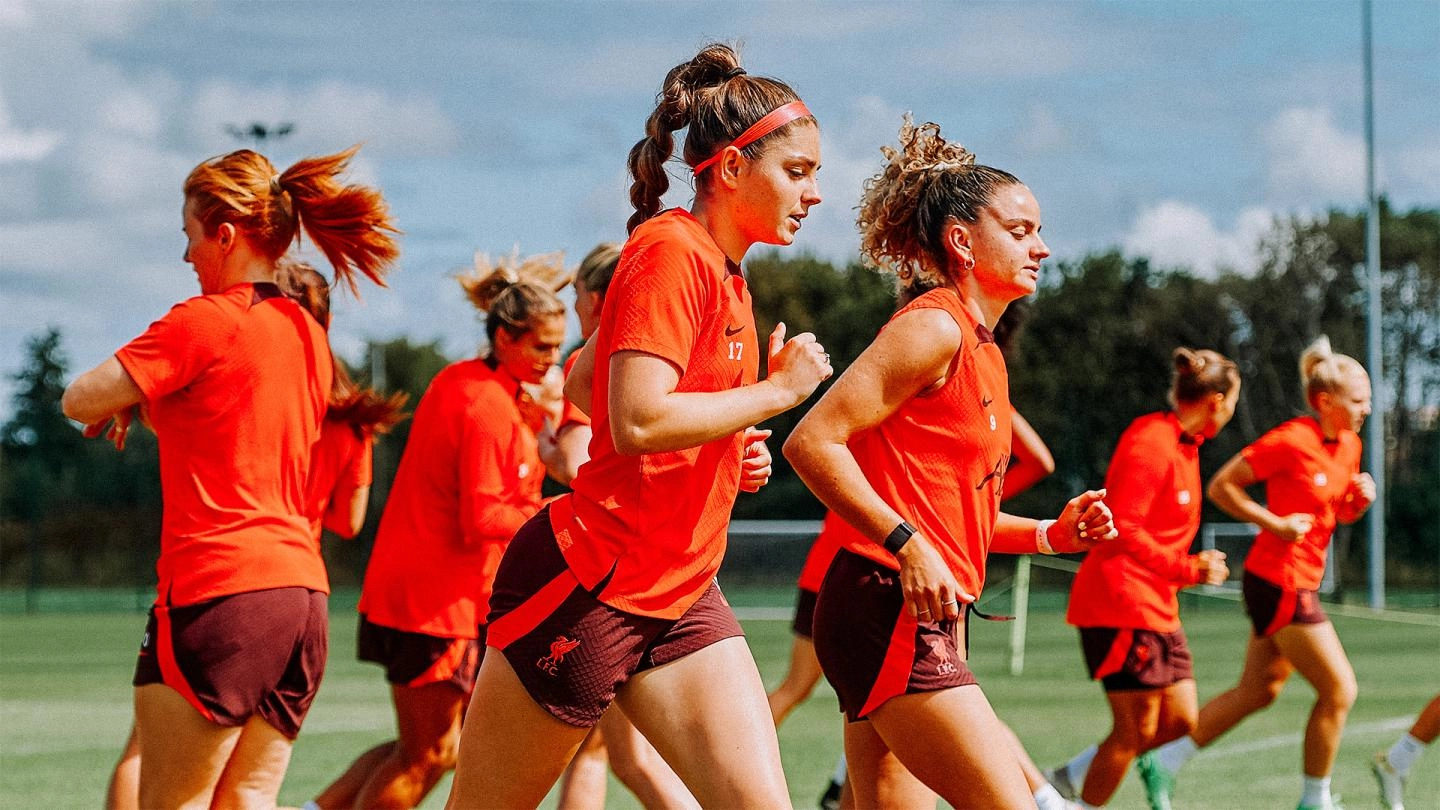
(1310, 466)
(469, 477)
(338, 488)
(235, 383)
(1392, 767)
(909, 448)
(614, 743)
(1124, 600)
(609, 592)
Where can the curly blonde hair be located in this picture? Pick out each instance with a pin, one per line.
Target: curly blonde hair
(512, 291)
(925, 183)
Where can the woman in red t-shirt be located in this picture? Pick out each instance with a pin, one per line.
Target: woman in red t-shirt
(1310, 466)
(469, 477)
(609, 592)
(1124, 600)
(235, 383)
(614, 744)
(910, 448)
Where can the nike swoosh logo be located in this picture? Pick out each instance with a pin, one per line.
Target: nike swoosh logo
(733, 330)
(985, 402)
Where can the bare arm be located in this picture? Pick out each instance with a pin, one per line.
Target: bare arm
(580, 379)
(1030, 459)
(647, 415)
(564, 452)
(100, 393)
(345, 516)
(1227, 491)
(911, 355)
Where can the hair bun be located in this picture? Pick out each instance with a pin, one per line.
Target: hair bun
(489, 279)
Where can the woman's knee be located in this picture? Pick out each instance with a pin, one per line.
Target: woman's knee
(1339, 696)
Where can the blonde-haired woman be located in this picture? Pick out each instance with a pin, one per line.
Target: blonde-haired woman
(235, 383)
(1310, 466)
(469, 477)
(910, 448)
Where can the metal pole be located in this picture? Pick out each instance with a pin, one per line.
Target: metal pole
(1375, 428)
(1020, 606)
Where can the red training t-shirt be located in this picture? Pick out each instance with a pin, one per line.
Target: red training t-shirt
(822, 553)
(1303, 472)
(469, 477)
(656, 523)
(236, 385)
(940, 459)
(340, 465)
(1153, 490)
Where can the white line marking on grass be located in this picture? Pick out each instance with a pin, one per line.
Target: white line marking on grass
(1294, 740)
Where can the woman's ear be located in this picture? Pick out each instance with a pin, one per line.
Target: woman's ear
(727, 169)
(225, 235)
(955, 237)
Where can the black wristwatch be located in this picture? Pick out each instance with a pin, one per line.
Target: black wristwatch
(898, 537)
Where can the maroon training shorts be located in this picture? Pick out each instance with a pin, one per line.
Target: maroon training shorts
(573, 652)
(1125, 659)
(237, 656)
(1271, 607)
(869, 646)
(416, 659)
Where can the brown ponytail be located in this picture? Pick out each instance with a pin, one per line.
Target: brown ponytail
(512, 292)
(1200, 373)
(366, 410)
(712, 96)
(349, 224)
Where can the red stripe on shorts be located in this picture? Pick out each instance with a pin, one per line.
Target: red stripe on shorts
(526, 617)
(894, 673)
(170, 669)
(1115, 659)
(444, 666)
(1284, 611)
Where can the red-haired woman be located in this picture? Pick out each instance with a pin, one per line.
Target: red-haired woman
(469, 477)
(1124, 599)
(1310, 466)
(338, 489)
(609, 592)
(235, 383)
(910, 448)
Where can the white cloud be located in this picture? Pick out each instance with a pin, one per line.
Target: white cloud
(21, 145)
(1174, 234)
(1311, 158)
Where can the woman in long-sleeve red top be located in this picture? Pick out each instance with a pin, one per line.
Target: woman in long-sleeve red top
(1124, 597)
(469, 477)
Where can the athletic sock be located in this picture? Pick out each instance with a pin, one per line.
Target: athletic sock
(1048, 798)
(1172, 756)
(1403, 754)
(1315, 791)
(1079, 766)
(839, 775)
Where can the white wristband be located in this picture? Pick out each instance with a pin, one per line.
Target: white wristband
(1042, 541)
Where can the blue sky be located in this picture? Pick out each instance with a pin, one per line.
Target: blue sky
(1167, 129)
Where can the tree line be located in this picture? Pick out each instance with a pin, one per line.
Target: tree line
(1092, 352)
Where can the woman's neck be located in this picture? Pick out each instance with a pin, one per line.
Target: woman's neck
(720, 224)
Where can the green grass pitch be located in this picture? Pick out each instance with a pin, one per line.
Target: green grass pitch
(65, 708)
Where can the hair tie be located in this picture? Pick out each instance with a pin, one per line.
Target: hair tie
(778, 117)
(275, 187)
(733, 72)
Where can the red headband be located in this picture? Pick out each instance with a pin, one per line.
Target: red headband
(778, 117)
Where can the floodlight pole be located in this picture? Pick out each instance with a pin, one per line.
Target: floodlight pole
(1375, 428)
